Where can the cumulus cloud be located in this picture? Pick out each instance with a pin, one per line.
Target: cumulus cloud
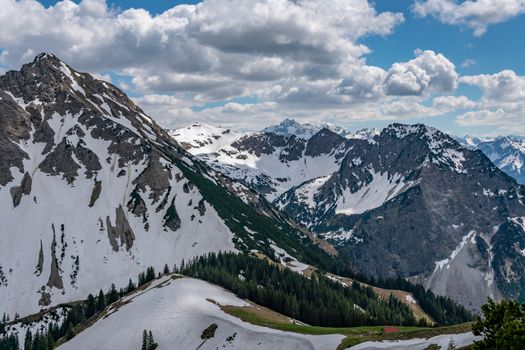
(475, 14)
(505, 86)
(428, 72)
(481, 118)
(498, 121)
(298, 58)
(364, 83)
(242, 39)
(502, 103)
(451, 102)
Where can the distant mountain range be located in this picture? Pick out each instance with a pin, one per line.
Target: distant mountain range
(376, 195)
(507, 152)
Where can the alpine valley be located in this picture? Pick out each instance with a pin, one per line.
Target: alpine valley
(117, 233)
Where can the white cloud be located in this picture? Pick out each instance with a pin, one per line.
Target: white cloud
(229, 39)
(498, 121)
(505, 86)
(481, 118)
(428, 72)
(451, 102)
(469, 62)
(298, 58)
(475, 14)
(502, 104)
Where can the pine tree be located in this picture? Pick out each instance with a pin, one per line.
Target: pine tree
(90, 306)
(112, 294)
(28, 340)
(150, 274)
(101, 301)
(50, 342)
(145, 340)
(130, 287)
(151, 342)
(70, 334)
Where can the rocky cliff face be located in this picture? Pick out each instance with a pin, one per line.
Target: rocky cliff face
(93, 191)
(416, 204)
(273, 163)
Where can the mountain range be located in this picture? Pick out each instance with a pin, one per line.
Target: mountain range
(373, 196)
(94, 192)
(507, 152)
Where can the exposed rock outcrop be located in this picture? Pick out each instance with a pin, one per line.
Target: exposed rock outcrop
(121, 234)
(24, 189)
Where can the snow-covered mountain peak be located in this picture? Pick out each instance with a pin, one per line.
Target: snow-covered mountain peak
(289, 127)
(364, 134)
(201, 138)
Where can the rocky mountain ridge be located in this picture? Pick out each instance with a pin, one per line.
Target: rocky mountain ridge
(416, 184)
(374, 198)
(93, 192)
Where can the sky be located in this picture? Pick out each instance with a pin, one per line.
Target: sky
(456, 65)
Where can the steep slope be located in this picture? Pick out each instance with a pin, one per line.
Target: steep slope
(271, 163)
(93, 191)
(277, 158)
(417, 204)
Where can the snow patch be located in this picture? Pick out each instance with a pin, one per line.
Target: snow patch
(381, 189)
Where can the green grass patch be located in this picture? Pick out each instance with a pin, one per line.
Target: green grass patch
(354, 335)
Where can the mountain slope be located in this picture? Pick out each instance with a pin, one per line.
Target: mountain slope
(272, 163)
(200, 138)
(417, 187)
(93, 192)
(177, 312)
(277, 158)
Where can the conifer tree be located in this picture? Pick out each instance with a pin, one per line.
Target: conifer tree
(28, 340)
(101, 301)
(90, 306)
(50, 342)
(144, 340)
(112, 294)
(150, 274)
(70, 332)
(131, 286)
(151, 342)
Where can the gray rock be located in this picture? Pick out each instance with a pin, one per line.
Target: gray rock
(55, 280)
(121, 234)
(23, 189)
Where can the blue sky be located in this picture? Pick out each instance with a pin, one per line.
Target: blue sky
(349, 62)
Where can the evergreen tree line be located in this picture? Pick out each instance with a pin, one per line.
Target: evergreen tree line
(316, 301)
(77, 313)
(443, 310)
(9, 342)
